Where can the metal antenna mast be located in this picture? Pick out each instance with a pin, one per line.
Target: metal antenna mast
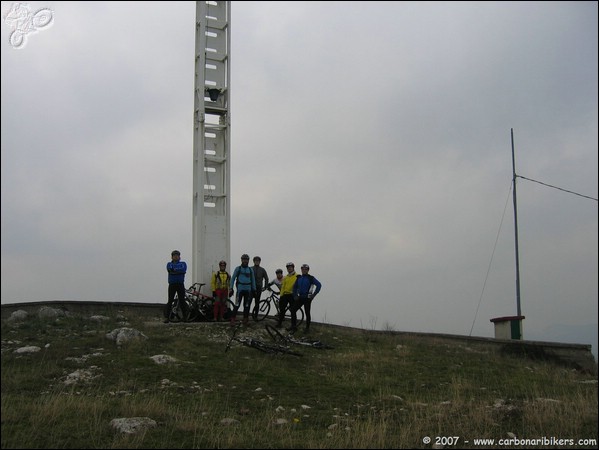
(516, 228)
(211, 139)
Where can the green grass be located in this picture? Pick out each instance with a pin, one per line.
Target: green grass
(373, 390)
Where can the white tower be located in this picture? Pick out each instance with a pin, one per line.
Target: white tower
(211, 139)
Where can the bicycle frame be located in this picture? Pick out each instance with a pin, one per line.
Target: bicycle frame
(265, 305)
(260, 345)
(199, 306)
(176, 312)
(279, 338)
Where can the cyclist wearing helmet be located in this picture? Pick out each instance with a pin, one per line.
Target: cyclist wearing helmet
(176, 283)
(243, 279)
(277, 281)
(220, 289)
(306, 287)
(261, 283)
(286, 295)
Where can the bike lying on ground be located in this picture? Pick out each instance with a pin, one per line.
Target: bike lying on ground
(272, 349)
(266, 304)
(280, 338)
(200, 307)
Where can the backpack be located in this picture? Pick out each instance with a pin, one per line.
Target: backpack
(219, 281)
(246, 272)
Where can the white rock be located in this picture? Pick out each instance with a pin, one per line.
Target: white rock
(18, 315)
(131, 425)
(45, 312)
(229, 421)
(28, 349)
(163, 359)
(99, 318)
(124, 335)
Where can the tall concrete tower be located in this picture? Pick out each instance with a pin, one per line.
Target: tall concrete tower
(211, 140)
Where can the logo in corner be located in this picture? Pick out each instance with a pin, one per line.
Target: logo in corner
(23, 22)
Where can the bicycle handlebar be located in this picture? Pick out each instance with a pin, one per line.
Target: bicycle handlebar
(195, 287)
(269, 289)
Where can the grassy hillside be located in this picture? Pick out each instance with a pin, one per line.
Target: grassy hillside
(373, 390)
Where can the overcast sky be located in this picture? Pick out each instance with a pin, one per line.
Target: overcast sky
(369, 140)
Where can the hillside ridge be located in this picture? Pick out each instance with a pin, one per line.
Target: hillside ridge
(578, 356)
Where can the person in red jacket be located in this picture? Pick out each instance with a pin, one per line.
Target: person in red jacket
(220, 290)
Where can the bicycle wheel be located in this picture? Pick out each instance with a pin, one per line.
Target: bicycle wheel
(272, 349)
(194, 311)
(259, 345)
(275, 334)
(263, 310)
(194, 316)
(176, 313)
(299, 315)
(205, 309)
(322, 345)
(316, 344)
(287, 351)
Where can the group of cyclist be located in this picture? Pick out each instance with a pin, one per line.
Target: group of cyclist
(295, 290)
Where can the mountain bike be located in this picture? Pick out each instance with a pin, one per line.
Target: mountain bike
(267, 303)
(201, 306)
(260, 345)
(176, 312)
(280, 338)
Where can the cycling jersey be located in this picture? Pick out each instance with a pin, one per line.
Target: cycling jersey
(287, 283)
(176, 272)
(220, 280)
(303, 284)
(243, 279)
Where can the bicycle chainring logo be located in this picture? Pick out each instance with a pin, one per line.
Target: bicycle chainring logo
(23, 22)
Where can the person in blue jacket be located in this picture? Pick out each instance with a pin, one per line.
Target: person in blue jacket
(243, 279)
(176, 283)
(305, 288)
